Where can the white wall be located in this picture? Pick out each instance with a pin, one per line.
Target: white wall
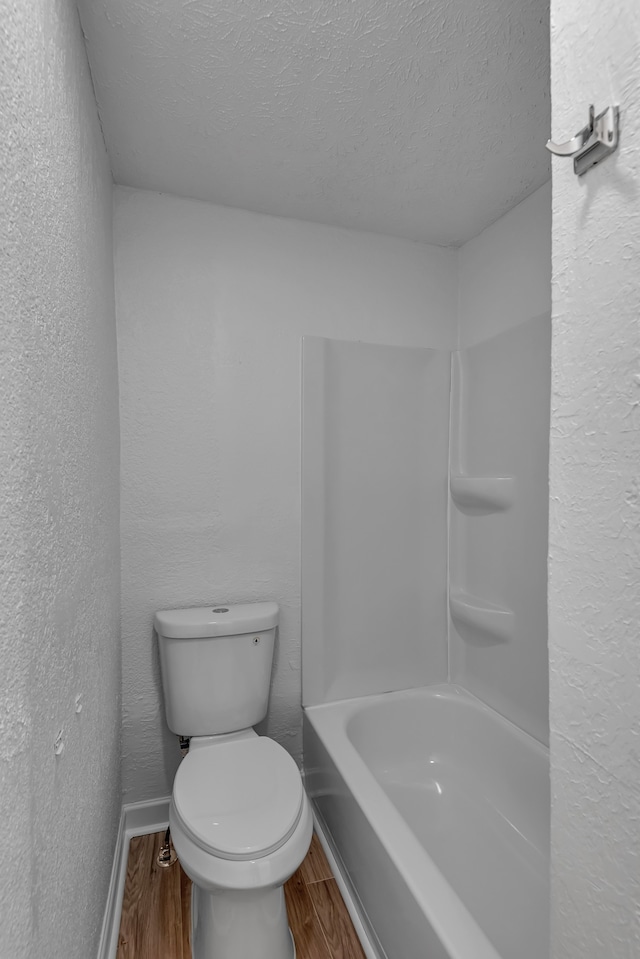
(211, 304)
(59, 579)
(594, 599)
(505, 271)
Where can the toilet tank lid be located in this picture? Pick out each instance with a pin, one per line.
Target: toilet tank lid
(215, 620)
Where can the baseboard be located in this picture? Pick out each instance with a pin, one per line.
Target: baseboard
(141, 818)
(370, 945)
(111, 923)
(136, 819)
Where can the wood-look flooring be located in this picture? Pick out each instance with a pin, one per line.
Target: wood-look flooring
(156, 908)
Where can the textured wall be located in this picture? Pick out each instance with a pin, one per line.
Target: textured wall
(411, 118)
(59, 579)
(211, 306)
(594, 600)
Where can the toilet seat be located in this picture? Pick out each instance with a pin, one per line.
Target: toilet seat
(239, 800)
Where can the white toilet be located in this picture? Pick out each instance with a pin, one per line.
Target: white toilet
(240, 820)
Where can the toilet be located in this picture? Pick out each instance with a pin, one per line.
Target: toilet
(240, 819)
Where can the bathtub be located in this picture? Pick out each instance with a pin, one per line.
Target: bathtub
(437, 809)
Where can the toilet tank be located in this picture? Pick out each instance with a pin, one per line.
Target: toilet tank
(216, 666)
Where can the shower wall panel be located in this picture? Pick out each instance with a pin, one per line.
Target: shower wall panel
(499, 513)
(374, 530)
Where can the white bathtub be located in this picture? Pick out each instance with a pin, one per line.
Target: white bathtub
(438, 809)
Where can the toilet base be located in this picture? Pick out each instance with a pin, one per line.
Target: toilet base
(230, 924)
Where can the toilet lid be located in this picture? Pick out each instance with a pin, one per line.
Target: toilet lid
(241, 799)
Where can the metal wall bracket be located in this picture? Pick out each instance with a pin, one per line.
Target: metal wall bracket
(593, 143)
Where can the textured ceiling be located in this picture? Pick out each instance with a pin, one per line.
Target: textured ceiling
(419, 118)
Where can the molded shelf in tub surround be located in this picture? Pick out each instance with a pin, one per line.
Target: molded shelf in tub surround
(483, 494)
(493, 621)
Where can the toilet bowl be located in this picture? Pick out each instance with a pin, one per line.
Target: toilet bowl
(240, 819)
(241, 825)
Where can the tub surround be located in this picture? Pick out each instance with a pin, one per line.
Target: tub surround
(387, 433)
(374, 518)
(499, 454)
(498, 522)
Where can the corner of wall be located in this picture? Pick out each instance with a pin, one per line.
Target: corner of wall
(504, 273)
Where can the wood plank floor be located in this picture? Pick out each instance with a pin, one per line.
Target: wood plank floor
(156, 908)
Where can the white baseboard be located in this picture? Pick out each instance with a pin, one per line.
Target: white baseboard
(371, 949)
(136, 819)
(141, 818)
(111, 920)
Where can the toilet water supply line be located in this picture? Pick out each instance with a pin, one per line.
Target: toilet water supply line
(167, 854)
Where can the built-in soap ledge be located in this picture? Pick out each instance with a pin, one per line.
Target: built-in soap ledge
(495, 623)
(483, 494)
